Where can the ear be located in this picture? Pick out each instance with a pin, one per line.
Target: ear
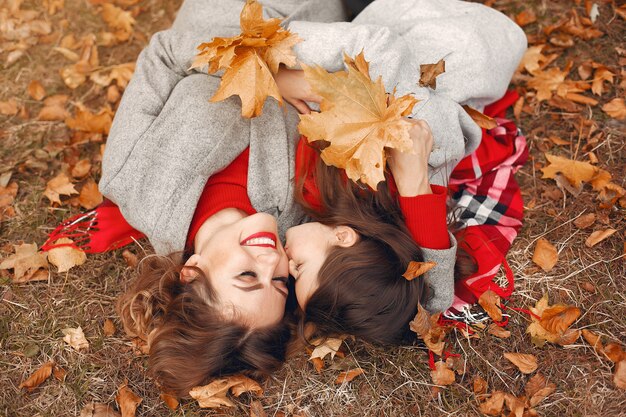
(345, 236)
(187, 273)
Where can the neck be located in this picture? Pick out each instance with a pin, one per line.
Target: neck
(220, 219)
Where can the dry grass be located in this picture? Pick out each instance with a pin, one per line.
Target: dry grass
(396, 380)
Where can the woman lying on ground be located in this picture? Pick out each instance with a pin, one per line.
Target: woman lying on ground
(219, 309)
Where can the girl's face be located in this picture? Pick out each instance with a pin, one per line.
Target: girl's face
(307, 247)
(248, 268)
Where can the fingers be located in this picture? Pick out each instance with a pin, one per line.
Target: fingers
(301, 106)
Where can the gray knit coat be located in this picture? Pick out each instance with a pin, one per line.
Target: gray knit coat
(167, 139)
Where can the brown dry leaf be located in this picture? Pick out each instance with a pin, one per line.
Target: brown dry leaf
(545, 255)
(81, 168)
(554, 322)
(585, 220)
(429, 73)
(601, 75)
(9, 108)
(493, 405)
(359, 120)
(576, 172)
(39, 376)
(59, 373)
(58, 186)
(130, 258)
(347, 376)
(67, 53)
(119, 20)
(619, 376)
(75, 338)
(52, 114)
(542, 394)
(108, 328)
(614, 352)
(36, 90)
(616, 108)
(127, 400)
(213, 395)
(481, 119)
(256, 409)
(558, 141)
(442, 375)
(558, 318)
(534, 384)
(428, 329)
(533, 60)
(515, 404)
(26, 262)
(416, 269)
(87, 121)
(98, 410)
(480, 385)
(526, 363)
(249, 59)
(66, 257)
(490, 302)
(121, 74)
(326, 347)
(170, 400)
(598, 236)
(525, 17)
(547, 82)
(244, 384)
(90, 196)
(498, 331)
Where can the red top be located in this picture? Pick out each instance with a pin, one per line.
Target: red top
(425, 215)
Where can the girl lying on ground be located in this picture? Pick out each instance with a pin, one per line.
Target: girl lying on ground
(219, 307)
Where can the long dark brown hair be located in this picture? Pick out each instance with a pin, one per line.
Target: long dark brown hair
(190, 341)
(361, 289)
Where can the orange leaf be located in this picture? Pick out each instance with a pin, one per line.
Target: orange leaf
(593, 339)
(576, 172)
(256, 409)
(481, 119)
(98, 410)
(498, 331)
(615, 108)
(585, 220)
(119, 20)
(59, 373)
(526, 363)
(127, 400)
(416, 269)
(598, 236)
(526, 17)
(170, 401)
(553, 323)
(480, 385)
(347, 376)
(66, 257)
(619, 376)
(81, 168)
(546, 82)
(493, 405)
(108, 328)
(36, 90)
(545, 255)
(558, 318)
(39, 376)
(52, 114)
(9, 108)
(130, 258)
(429, 73)
(614, 352)
(87, 121)
(428, 329)
(90, 196)
(25, 262)
(358, 119)
(59, 185)
(442, 375)
(490, 301)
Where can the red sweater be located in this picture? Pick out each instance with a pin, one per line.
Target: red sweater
(425, 215)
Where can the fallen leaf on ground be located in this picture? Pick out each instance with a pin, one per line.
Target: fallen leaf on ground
(25, 263)
(615, 108)
(249, 59)
(429, 73)
(108, 328)
(121, 74)
(492, 406)
(585, 220)
(170, 400)
(547, 82)
(619, 375)
(256, 409)
(98, 410)
(554, 322)
(130, 258)
(75, 338)
(347, 376)
(119, 20)
(442, 375)
(545, 255)
(359, 120)
(59, 373)
(416, 269)
(326, 347)
(213, 395)
(614, 352)
(481, 119)
(426, 326)
(480, 385)
(127, 400)
(81, 168)
(36, 90)
(490, 302)
(526, 363)
(498, 331)
(90, 196)
(39, 376)
(87, 121)
(525, 17)
(576, 172)
(66, 257)
(58, 186)
(9, 108)
(598, 236)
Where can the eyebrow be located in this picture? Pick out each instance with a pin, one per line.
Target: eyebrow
(256, 287)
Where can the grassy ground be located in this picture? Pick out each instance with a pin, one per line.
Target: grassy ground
(396, 380)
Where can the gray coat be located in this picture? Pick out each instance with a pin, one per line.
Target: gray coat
(167, 139)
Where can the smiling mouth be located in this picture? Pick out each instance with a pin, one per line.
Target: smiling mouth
(262, 239)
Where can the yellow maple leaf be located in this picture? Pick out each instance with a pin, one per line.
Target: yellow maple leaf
(358, 118)
(249, 59)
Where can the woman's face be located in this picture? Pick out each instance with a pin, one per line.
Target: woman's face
(307, 247)
(248, 268)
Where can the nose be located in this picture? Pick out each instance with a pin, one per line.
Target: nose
(267, 263)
